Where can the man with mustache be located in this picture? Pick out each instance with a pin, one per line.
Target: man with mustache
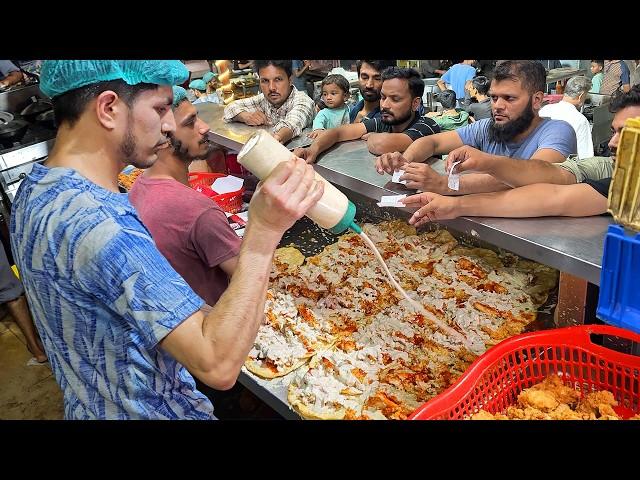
(124, 332)
(572, 188)
(515, 131)
(400, 122)
(370, 80)
(280, 104)
(189, 229)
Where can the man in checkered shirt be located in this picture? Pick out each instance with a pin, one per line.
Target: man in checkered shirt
(280, 104)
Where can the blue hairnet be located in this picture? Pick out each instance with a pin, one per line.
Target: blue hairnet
(179, 94)
(198, 85)
(60, 76)
(207, 77)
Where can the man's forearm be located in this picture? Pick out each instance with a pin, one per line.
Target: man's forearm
(517, 173)
(476, 183)
(244, 299)
(379, 143)
(284, 135)
(13, 78)
(539, 200)
(325, 141)
(420, 150)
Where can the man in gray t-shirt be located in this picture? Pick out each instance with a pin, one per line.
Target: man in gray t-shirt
(515, 130)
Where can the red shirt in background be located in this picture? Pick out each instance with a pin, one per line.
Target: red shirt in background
(190, 230)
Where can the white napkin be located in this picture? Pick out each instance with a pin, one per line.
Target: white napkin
(396, 177)
(391, 201)
(454, 178)
(227, 184)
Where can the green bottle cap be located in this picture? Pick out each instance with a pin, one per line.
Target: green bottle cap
(346, 221)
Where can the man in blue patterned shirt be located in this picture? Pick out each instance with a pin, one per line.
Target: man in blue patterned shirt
(123, 331)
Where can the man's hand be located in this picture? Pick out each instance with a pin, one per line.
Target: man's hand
(306, 154)
(471, 159)
(277, 137)
(432, 207)
(421, 176)
(390, 162)
(285, 196)
(253, 118)
(315, 133)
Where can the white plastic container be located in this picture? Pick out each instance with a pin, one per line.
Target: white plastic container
(262, 153)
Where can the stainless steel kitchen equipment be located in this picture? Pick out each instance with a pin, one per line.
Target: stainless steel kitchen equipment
(18, 155)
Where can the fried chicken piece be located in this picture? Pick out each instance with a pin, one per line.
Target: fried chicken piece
(515, 413)
(564, 412)
(537, 399)
(531, 413)
(562, 393)
(598, 404)
(482, 415)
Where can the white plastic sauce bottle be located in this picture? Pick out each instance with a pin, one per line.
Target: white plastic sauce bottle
(262, 153)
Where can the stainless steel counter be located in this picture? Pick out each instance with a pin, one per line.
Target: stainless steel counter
(272, 392)
(230, 135)
(235, 134)
(572, 245)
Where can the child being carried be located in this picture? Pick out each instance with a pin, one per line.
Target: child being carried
(335, 91)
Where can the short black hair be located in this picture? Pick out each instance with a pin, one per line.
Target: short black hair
(481, 84)
(599, 62)
(447, 98)
(531, 74)
(286, 65)
(69, 106)
(379, 65)
(624, 100)
(416, 85)
(336, 79)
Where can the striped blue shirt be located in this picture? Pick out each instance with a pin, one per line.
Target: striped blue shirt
(102, 297)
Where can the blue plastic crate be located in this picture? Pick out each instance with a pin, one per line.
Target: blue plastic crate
(619, 300)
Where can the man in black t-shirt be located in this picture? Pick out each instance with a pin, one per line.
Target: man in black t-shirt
(399, 123)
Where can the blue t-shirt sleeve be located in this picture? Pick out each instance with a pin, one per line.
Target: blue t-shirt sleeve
(559, 136)
(446, 78)
(129, 275)
(625, 76)
(473, 133)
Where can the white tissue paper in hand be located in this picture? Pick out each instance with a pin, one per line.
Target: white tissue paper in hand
(454, 178)
(396, 177)
(391, 201)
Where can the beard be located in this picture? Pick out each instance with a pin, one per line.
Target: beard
(395, 120)
(183, 154)
(129, 147)
(370, 95)
(507, 132)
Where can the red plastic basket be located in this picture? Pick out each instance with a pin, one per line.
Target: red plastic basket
(229, 202)
(494, 380)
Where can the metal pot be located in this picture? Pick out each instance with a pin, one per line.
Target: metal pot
(35, 108)
(47, 119)
(12, 128)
